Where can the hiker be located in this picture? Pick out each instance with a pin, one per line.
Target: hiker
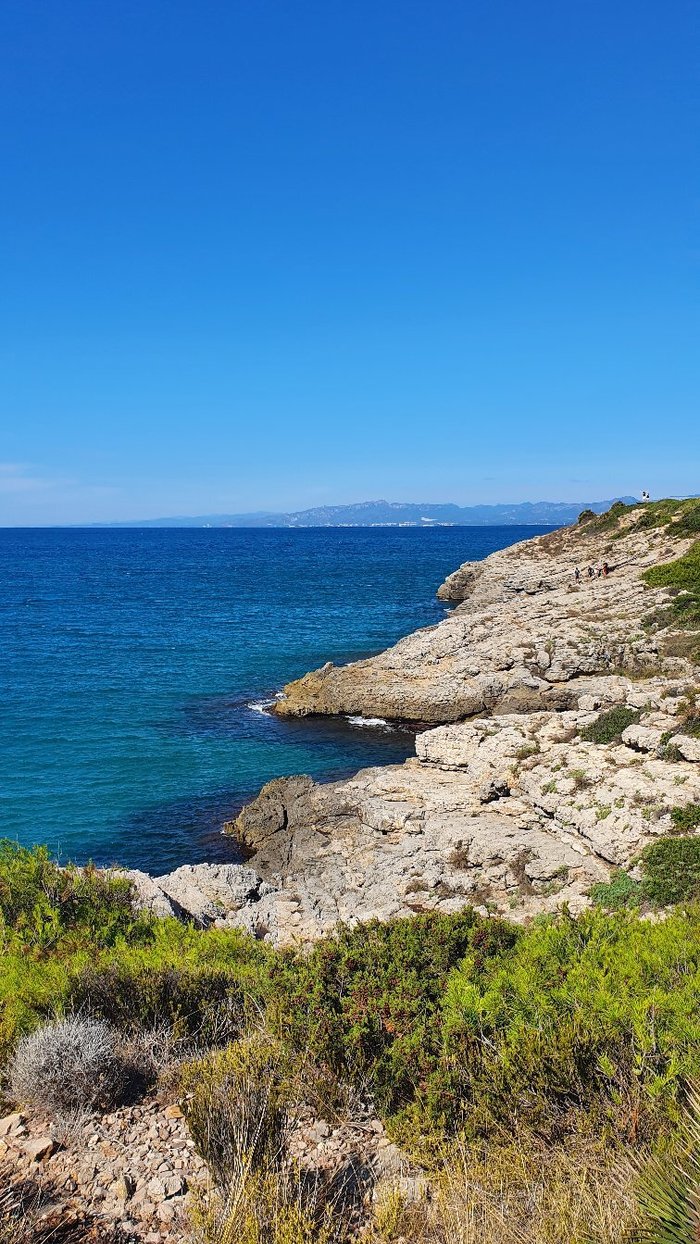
(645, 495)
(577, 574)
(605, 570)
(591, 572)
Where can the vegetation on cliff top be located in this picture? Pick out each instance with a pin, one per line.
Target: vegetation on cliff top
(579, 1033)
(681, 516)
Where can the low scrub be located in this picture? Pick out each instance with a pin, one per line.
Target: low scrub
(682, 576)
(671, 869)
(367, 1003)
(608, 727)
(71, 1065)
(71, 941)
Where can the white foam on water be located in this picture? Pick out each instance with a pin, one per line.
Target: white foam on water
(263, 706)
(368, 722)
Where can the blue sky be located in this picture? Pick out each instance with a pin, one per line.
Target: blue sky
(266, 255)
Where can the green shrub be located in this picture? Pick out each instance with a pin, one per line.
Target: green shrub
(598, 1016)
(620, 892)
(608, 727)
(683, 576)
(42, 902)
(72, 941)
(671, 868)
(367, 1002)
(686, 819)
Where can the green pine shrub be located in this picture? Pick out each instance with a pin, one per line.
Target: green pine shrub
(683, 577)
(671, 868)
(592, 1018)
(608, 726)
(622, 891)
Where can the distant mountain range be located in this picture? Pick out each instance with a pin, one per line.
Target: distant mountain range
(396, 514)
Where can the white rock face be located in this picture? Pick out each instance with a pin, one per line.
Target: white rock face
(688, 748)
(526, 636)
(514, 814)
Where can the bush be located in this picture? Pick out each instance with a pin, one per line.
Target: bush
(671, 868)
(620, 892)
(71, 942)
(686, 819)
(69, 1065)
(237, 1106)
(683, 576)
(366, 1003)
(585, 1021)
(42, 902)
(608, 727)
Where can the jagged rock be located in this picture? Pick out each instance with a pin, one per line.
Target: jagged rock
(39, 1148)
(688, 748)
(505, 806)
(525, 637)
(642, 738)
(11, 1123)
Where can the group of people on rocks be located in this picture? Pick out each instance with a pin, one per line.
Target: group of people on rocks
(594, 572)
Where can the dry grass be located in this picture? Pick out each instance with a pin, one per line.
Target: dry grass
(517, 1194)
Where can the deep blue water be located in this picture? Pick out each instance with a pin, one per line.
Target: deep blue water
(130, 657)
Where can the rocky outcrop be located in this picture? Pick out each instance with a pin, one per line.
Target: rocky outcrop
(507, 805)
(514, 814)
(523, 635)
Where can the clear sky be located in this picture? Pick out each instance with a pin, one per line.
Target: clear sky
(265, 255)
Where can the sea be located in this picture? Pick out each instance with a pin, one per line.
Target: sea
(137, 668)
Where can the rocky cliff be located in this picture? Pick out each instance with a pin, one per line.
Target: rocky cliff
(527, 792)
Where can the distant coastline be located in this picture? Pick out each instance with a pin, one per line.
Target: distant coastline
(394, 514)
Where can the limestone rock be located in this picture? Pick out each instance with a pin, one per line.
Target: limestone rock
(688, 748)
(11, 1123)
(39, 1148)
(525, 638)
(642, 738)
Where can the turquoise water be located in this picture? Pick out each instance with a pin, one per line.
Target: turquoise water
(134, 663)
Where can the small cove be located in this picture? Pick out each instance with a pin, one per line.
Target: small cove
(134, 661)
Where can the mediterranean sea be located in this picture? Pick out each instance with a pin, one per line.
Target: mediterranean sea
(136, 665)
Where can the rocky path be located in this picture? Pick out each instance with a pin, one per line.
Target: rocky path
(128, 1177)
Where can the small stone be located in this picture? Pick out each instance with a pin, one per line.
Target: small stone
(123, 1189)
(11, 1123)
(40, 1148)
(173, 1112)
(174, 1185)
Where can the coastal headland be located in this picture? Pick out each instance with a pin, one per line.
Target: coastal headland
(557, 738)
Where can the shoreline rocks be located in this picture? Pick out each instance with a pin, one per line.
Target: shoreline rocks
(506, 805)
